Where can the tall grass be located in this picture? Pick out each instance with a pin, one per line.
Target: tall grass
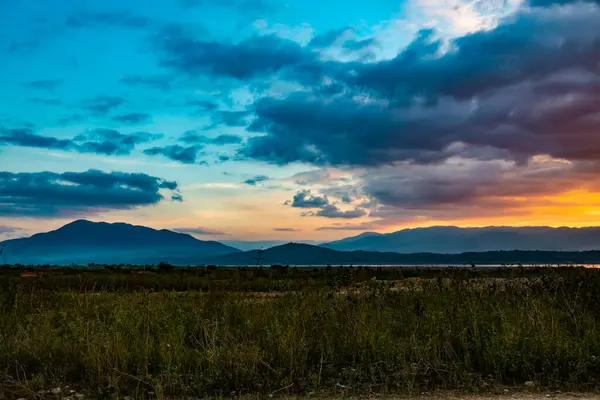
(410, 335)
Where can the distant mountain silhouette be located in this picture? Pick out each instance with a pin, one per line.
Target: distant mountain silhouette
(304, 254)
(99, 242)
(246, 245)
(450, 239)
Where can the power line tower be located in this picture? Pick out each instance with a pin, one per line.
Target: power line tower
(259, 258)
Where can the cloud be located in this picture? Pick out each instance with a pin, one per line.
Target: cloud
(252, 7)
(332, 211)
(320, 177)
(111, 142)
(361, 44)
(68, 194)
(26, 138)
(329, 38)
(184, 155)
(159, 82)
(256, 57)
(226, 139)
(426, 105)
(42, 84)
(99, 141)
(192, 137)
(286, 230)
(73, 118)
(550, 3)
(45, 101)
(364, 226)
(529, 45)
(9, 229)
(305, 199)
(344, 40)
(202, 105)
(133, 118)
(102, 104)
(23, 46)
(462, 189)
(467, 182)
(200, 231)
(230, 118)
(110, 19)
(256, 179)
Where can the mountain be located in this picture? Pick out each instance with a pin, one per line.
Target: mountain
(99, 242)
(259, 244)
(450, 239)
(304, 254)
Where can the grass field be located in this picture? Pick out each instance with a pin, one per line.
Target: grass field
(163, 332)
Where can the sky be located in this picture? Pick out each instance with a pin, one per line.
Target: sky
(299, 119)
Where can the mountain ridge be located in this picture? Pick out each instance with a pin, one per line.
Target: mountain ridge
(83, 241)
(310, 255)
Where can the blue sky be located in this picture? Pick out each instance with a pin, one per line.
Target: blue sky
(262, 119)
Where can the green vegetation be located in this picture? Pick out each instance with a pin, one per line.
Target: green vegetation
(163, 332)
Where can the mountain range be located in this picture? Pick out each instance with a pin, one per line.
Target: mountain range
(83, 242)
(453, 240)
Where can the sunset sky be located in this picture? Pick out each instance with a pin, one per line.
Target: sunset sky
(298, 119)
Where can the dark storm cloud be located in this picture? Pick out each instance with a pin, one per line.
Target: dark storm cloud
(160, 82)
(305, 199)
(99, 141)
(184, 155)
(258, 56)
(102, 104)
(49, 194)
(200, 231)
(42, 84)
(132, 118)
(344, 132)
(531, 45)
(528, 87)
(256, 179)
(111, 19)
